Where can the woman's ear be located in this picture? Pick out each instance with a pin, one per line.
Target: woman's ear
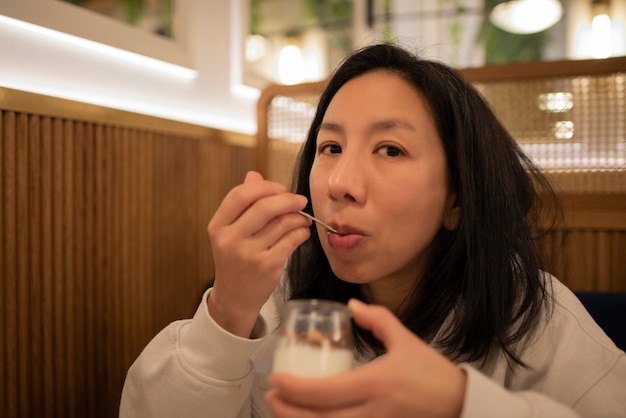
(453, 212)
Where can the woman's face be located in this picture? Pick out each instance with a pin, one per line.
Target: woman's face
(380, 178)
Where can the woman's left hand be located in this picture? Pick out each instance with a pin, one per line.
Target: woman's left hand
(410, 380)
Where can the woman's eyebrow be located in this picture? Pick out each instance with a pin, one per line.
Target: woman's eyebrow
(330, 126)
(381, 125)
(387, 124)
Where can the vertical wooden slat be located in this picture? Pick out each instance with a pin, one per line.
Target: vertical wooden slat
(134, 279)
(100, 272)
(119, 250)
(590, 254)
(89, 324)
(78, 302)
(140, 296)
(578, 260)
(11, 375)
(61, 385)
(34, 260)
(160, 227)
(23, 265)
(188, 161)
(73, 387)
(587, 255)
(48, 369)
(3, 334)
(617, 262)
(557, 254)
(132, 271)
(559, 258)
(566, 273)
(126, 222)
(146, 242)
(112, 299)
(602, 262)
(208, 185)
(570, 252)
(546, 245)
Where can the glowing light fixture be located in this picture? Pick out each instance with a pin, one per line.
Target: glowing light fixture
(290, 65)
(556, 102)
(526, 16)
(256, 47)
(601, 29)
(563, 129)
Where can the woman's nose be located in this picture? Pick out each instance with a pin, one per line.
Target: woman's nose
(347, 179)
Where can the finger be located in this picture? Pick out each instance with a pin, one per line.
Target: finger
(241, 197)
(252, 176)
(381, 321)
(339, 391)
(282, 408)
(273, 213)
(283, 234)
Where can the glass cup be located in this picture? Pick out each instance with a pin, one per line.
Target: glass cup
(315, 339)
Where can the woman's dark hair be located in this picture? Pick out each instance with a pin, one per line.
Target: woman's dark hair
(483, 288)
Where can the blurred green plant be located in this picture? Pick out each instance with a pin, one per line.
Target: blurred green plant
(335, 17)
(255, 16)
(133, 10)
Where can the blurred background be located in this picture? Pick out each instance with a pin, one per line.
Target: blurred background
(291, 41)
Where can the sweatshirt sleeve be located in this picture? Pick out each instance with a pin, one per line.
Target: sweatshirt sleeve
(193, 368)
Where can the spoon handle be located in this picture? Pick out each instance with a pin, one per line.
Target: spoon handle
(314, 219)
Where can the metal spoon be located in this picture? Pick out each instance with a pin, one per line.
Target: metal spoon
(314, 219)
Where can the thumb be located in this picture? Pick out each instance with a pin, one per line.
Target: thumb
(253, 176)
(380, 321)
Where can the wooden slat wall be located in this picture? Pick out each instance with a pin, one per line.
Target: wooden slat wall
(590, 259)
(588, 251)
(103, 242)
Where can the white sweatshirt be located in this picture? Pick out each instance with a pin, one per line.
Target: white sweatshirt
(194, 368)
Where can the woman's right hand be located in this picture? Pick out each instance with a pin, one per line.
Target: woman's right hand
(253, 232)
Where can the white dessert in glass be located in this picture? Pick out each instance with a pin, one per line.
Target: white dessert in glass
(314, 339)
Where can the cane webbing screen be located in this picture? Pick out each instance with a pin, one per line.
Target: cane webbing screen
(288, 123)
(574, 128)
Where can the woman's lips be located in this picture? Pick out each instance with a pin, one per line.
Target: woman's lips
(346, 239)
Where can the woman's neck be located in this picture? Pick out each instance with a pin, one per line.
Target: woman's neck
(388, 292)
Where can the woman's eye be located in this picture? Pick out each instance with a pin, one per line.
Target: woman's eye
(390, 151)
(330, 149)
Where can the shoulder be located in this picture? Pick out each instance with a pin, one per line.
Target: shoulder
(569, 358)
(570, 316)
(569, 354)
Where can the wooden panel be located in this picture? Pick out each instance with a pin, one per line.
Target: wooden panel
(543, 69)
(587, 251)
(103, 243)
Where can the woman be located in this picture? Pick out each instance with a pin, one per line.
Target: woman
(436, 209)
